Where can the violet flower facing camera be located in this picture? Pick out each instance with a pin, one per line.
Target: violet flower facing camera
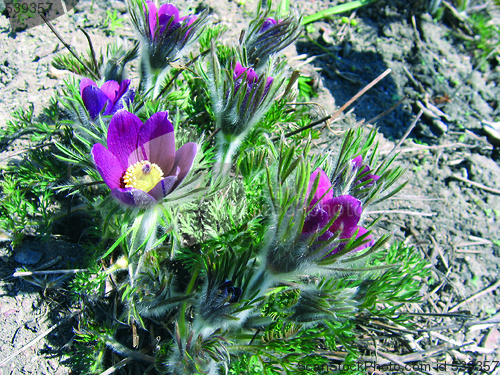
(141, 165)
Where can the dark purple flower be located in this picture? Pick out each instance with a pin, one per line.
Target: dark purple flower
(324, 206)
(252, 80)
(357, 162)
(111, 97)
(163, 22)
(267, 36)
(141, 165)
(268, 23)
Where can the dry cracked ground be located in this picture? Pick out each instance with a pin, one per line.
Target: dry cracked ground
(449, 210)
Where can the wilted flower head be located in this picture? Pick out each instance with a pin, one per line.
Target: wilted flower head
(111, 97)
(141, 165)
(266, 36)
(366, 176)
(324, 207)
(164, 32)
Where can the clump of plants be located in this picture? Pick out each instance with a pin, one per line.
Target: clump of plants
(217, 242)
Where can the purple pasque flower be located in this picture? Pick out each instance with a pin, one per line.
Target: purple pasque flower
(357, 162)
(165, 20)
(324, 206)
(141, 165)
(268, 23)
(252, 99)
(164, 33)
(110, 97)
(267, 36)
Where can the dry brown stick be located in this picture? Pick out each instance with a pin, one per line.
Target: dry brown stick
(118, 366)
(68, 47)
(36, 339)
(477, 295)
(471, 251)
(340, 110)
(401, 212)
(92, 52)
(424, 148)
(476, 184)
(406, 134)
(378, 117)
(461, 325)
(485, 242)
(50, 272)
(361, 93)
(440, 252)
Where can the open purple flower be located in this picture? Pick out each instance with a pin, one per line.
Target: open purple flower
(111, 97)
(325, 206)
(141, 165)
(357, 162)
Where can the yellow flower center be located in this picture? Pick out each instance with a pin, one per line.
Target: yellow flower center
(143, 175)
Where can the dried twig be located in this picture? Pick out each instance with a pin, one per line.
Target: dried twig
(341, 109)
(92, 52)
(70, 49)
(476, 184)
(477, 295)
(401, 212)
(118, 366)
(36, 339)
(50, 272)
(406, 134)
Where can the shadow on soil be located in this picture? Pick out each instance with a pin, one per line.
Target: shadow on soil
(347, 75)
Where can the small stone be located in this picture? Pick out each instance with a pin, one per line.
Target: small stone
(439, 126)
(492, 130)
(28, 256)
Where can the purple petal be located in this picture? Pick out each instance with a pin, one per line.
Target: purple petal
(111, 88)
(134, 197)
(267, 24)
(163, 188)
(269, 82)
(152, 14)
(120, 103)
(239, 70)
(190, 19)
(350, 213)
(325, 236)
(323, 186)
(156, 142)
(357, 161)
(123, 89)
(362, 231)
(107, 165)
(123, 133)
(165, 14)
(315, 220)
(184, 158)
(86, 82)
(94, 100)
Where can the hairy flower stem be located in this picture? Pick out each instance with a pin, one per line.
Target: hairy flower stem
(228, 146)
(182, 312)
(141, 240)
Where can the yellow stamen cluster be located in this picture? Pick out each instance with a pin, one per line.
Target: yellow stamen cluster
(143, 175)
